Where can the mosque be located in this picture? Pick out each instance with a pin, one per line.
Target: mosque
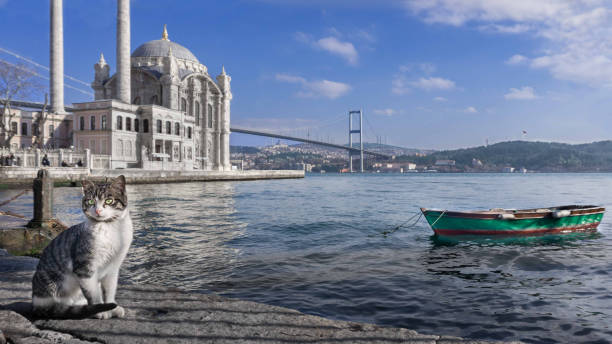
(160, 110)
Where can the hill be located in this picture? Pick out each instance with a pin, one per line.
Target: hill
(534, 156)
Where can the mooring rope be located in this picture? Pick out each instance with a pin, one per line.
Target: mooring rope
(392, 230)
(439, 217)
(13, 198)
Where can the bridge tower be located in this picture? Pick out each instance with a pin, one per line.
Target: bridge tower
(356, 131)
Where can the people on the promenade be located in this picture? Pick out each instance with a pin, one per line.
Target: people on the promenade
(79, 163)
(45, 161)
(11, 160)
(64, 163)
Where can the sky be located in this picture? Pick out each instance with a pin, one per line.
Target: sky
(433, 74)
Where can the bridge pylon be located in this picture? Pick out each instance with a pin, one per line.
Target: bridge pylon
(356, 131)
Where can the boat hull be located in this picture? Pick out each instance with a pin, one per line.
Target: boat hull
(525, 223)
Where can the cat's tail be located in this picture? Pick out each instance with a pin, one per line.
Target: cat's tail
(60, 311)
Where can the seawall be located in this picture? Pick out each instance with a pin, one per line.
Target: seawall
(20, 176)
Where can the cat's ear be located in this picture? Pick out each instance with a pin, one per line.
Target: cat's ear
(119, 182)
(87, 186)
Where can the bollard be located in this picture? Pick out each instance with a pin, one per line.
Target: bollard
(43, 199)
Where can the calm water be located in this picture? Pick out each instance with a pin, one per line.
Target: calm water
(316, 245)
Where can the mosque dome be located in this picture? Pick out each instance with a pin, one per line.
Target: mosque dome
(161, 48)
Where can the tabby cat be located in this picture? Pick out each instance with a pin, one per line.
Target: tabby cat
(77, 274)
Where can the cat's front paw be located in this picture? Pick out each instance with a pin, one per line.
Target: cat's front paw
(118, 312)
(104, 315)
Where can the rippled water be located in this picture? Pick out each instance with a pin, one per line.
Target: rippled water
(316, 245)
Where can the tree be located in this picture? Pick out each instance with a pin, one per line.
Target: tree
(16, 82)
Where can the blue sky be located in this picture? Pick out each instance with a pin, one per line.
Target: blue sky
(428, 74)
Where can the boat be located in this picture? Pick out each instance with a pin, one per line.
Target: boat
(553, 220)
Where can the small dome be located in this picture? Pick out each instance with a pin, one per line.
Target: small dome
(161, 48)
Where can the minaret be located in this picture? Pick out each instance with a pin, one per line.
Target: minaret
(102, 74)
(223, 80)
(123, 51)
(56, 85)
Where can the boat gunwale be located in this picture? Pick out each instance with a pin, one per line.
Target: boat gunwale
(518, 214)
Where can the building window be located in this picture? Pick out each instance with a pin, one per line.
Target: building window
(24, 129)
(177, 129)
(136, 125)
(145, 125)
(51, 130)
(183, 104)
(188, 132)
(82, 123)
(197, 113)
(210, 116)
(136, 101)
(92, 123)
(159, 126)
(128, 124)
(119, 123)
(154, 100)
(168, 128)
(14, 127)
(103, 124)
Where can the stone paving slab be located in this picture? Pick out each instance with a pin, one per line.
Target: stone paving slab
(167, 315)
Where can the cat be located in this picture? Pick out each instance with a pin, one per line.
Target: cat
(77, 274)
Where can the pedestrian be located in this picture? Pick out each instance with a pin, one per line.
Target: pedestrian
(45, 161)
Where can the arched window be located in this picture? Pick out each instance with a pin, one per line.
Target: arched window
(183, 104)
(119, 123)
(136, 101)
(168, 128)
(92, 123)
(82, 123)
(210, 116)
(159, 126)
(177, 129)
(154, 100)
(136, 125)
(24, 129)
(145, 125)
(103, 122)
(197, 113)
(188, 132)
(128, 124)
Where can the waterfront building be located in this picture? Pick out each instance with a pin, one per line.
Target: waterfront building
(25, 130)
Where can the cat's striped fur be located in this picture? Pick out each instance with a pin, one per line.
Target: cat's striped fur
(78, 271)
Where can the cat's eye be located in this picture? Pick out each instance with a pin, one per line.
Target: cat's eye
(109, 201)
(90, 202)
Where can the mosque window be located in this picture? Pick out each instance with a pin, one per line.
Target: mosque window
(82, 123)
(154, 100)
(136, 101)
(188, 132)
(210, 116)
(145, 125)
(197, 113)
(92, 123)
(177, 129)
(51, 130)
(159, 126)
(119, 123)
(24, 129)
(103, 122)
(136, 125)
(183, 104)
(168, 128)
(128, 124)
(14, 127)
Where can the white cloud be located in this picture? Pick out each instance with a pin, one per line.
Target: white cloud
(524, 93)
(331, 44)
(399, 85)
(317, 88)
(385, 112)
(577, 33)
(516, 59)
(433, 83)
(470, 109)
(440, 99)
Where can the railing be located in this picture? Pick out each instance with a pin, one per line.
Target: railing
(56, 158)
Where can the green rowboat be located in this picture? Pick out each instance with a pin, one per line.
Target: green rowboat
(563, 219)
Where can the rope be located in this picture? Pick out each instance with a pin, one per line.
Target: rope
(13, 198)
(394, 229)
(439, 217)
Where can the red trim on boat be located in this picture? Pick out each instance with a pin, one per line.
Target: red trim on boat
(516, 232)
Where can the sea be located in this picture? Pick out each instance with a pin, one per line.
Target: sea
(353, 247)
